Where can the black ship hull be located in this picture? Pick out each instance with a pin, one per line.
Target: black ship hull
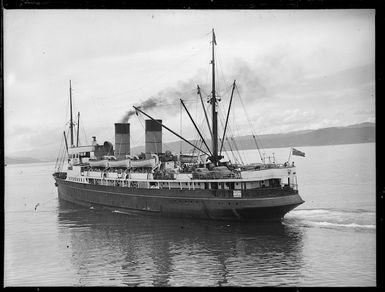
(201, 204)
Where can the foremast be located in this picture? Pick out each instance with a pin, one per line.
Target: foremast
(214, 108)
(71, 120)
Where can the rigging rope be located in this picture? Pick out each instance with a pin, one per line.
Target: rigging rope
(228, 128)
(231, 136)
(85, 135)
(158, 77)
(250, 124)
(198, 139)
(59, 154)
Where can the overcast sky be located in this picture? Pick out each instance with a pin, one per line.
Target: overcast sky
(295, 70)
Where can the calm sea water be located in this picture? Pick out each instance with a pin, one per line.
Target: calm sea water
(330, 240)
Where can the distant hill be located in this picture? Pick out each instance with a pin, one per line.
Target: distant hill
(353, 134)
(360, 133)
(18, 160)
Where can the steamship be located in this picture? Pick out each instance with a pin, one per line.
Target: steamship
(200, 185)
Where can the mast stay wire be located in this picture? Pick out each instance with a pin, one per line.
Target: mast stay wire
(225, 92)
(226, 138)
(223, 78)
(60, 150)
(59, 158)
(74, 107)
(162, 75)
(250, 125)
(222, 124)
(231, 149)
(61, 133)
(219, 68)
(230, 131)
(184, 59)
(219, 58)
(231, 136)
(203, 121)
(238, 133)
(84, 133)
(196, 137)
(63, 153)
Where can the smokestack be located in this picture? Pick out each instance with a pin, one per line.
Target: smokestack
(122, 140)
(153, 139)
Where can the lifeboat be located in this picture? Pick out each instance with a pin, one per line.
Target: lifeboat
(125, 163)
(99, 163)
(191, 158)
(152, 162)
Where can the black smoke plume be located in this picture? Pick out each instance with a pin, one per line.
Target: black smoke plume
(253, 81)
(169, 97)
(146, 105)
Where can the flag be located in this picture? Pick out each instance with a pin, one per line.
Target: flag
(298, 153)
(214, 39)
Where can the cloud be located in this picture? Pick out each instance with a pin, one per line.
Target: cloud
(168, 100)
(364, 112)
(310, 67)
(346, 79)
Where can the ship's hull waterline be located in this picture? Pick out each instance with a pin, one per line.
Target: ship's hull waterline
(177, 203)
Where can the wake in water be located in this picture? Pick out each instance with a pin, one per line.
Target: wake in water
(332, 218)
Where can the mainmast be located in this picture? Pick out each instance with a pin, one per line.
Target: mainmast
(77, 131)
(71, 122)
(214, 107)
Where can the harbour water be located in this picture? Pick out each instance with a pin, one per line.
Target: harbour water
(330, 240)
